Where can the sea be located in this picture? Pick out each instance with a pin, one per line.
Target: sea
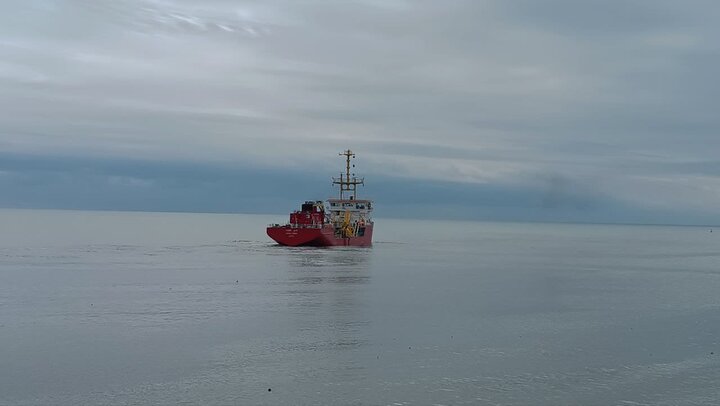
(132, 308)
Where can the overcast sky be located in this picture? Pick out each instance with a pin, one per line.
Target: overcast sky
(604, 110)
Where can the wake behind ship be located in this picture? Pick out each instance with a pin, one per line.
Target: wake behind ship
(345, 221)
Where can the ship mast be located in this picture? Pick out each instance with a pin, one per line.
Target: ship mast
(346, 183)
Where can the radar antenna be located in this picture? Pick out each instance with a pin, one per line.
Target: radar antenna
(348, 184)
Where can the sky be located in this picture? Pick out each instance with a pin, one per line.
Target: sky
(527, 110)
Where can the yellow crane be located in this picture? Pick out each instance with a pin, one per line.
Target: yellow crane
(347, 229)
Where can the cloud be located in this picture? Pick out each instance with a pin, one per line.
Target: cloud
(34, 181)
(617, 95)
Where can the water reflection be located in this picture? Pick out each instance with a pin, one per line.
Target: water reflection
(325, 290)
(315, 266)
(322, 257)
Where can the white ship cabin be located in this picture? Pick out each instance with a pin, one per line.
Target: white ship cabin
(358, 209)
(352, 205)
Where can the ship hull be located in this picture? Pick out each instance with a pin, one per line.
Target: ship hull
(317, 237)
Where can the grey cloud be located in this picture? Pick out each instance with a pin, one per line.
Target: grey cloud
(600, 17)
(490, 92)
(121, 184)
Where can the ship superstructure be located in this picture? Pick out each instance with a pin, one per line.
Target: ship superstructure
(343, 221)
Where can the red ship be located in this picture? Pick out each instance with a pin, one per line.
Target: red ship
(345, 221)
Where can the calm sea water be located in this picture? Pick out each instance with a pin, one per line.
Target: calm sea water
(100, 308)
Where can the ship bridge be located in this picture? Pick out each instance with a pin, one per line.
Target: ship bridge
(350, 204)
(348, 212)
